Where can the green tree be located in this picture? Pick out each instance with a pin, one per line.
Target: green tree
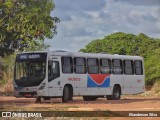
(130, 44)
(24, 24)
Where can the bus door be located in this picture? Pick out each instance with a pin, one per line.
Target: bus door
(54, 85)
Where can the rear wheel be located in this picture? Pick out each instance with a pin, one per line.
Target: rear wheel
(116, 95)
(66, 96)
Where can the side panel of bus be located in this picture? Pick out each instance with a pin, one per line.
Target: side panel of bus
(56, 86)
(92, 82)
(89, 84)
(97, 84)
(133, 83)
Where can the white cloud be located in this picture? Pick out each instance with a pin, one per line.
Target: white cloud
(141, 2)
(85, 20)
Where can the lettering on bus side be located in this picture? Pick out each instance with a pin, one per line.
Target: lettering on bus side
(139, 81)
(74, 79)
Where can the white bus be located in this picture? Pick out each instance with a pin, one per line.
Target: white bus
(60, 74)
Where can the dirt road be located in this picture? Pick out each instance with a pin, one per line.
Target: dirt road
(127, 103)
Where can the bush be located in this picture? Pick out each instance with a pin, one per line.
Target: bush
(7, 70)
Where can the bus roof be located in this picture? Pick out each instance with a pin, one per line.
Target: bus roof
(93, 55)
(88, 55)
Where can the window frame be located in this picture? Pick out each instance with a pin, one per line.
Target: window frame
(113, 67)
(109, 65)
(57, 75)
(71, 64)
(85, 69)
(132, 66)
(97, 64)
(138, 67)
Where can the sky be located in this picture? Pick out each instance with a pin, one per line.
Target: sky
(85, 20)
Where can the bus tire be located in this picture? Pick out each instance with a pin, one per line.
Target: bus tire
(116, 95)
(70, 94)
(65, 97)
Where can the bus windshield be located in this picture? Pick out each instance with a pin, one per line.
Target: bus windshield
(30, 69)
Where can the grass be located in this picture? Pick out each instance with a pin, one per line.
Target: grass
(6, 88)
(156, 88)
(153, 91)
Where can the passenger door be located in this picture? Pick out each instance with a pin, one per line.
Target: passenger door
(54, 85)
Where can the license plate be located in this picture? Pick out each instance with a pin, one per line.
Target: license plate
(27, 95)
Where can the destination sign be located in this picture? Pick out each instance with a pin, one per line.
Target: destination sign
(31, 56)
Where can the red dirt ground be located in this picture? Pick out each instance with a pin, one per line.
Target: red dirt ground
(127, 103)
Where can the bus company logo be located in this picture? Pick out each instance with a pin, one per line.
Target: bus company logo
(6, 114)
(98, 80)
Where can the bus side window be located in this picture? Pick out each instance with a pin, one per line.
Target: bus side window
(128, 67)
(117, 66)
(67, 65)
(80, 65)
(105, 66)
(138, 67)
(93, 66)
(53, 70)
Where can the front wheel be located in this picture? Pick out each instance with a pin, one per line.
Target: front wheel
(66, 96)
